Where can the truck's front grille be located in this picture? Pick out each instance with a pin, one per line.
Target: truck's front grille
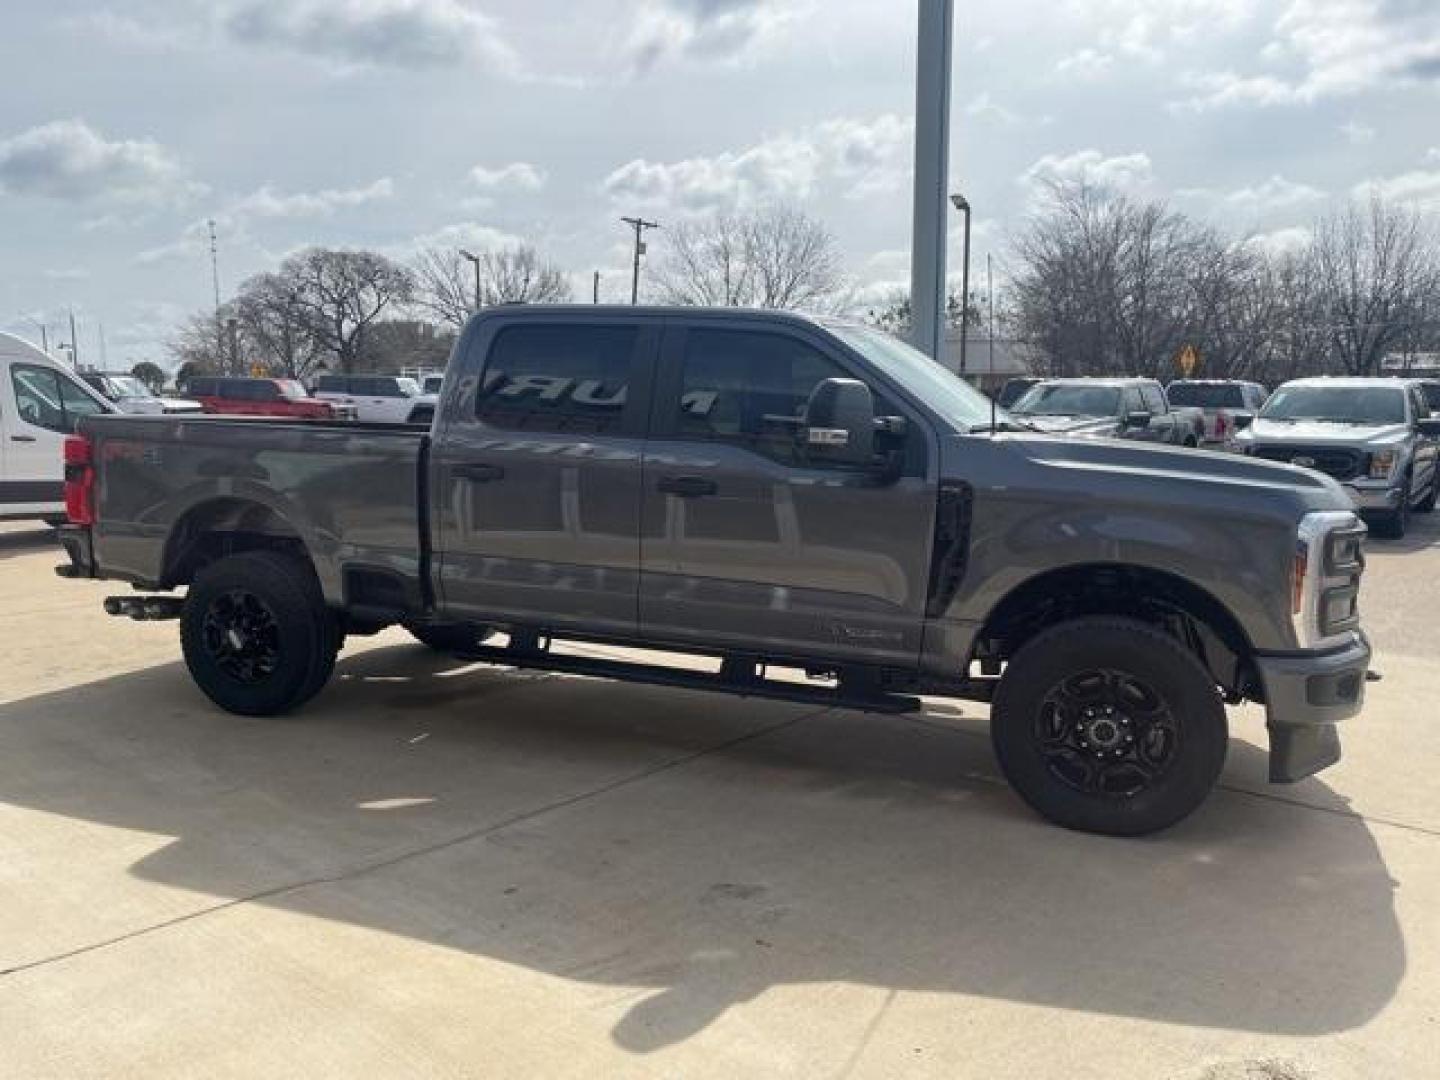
(1337, 461)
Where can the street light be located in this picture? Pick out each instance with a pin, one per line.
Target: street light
(640, 225)
(474, 260)
(963, 205)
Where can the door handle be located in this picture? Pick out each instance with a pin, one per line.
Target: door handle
(479, 472)
(22, 438)
(687, 487)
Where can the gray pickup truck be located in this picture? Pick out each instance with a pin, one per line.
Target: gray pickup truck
(1375, 436)
(772, 492)
(1126, 408)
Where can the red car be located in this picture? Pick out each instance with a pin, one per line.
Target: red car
(234, 396)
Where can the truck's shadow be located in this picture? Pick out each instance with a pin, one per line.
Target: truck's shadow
(871, 850)
(22, 540)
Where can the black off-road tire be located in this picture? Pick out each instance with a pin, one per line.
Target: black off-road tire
(448, 638)
(300, 635)
(1024, 717)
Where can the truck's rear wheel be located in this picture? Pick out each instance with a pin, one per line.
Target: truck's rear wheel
(1109, 726)
(257, 636)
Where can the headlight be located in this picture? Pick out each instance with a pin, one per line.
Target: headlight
(1382, 464)
(1325, 577)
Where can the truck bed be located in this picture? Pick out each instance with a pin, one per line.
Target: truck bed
(351, 493)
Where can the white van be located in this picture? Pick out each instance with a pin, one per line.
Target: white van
(40, 403)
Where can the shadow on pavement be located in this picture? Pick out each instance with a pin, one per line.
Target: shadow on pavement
(24, 540)
(582, 830)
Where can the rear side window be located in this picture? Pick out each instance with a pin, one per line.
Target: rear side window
(1154, 399)
(46, 399)
(333, 384)
(1133, 401)
(557, 378)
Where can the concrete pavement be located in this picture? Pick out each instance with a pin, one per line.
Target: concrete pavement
(441, 870)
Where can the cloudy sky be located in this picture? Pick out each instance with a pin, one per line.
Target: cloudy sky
(397, 123)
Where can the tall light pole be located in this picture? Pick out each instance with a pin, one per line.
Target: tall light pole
(639, 225)
(963, 205)
(932, 162)
(474, 260)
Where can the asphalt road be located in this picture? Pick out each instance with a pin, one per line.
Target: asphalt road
(440, 870)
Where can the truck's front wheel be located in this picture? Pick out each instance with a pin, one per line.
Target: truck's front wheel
(257, 636)
(1108, 725)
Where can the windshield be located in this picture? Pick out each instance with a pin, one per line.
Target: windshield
(1205, 395)
(433, 383)
(127, 386)
(291, 390)
(1337, 404)
(408, 386)
(943, 391)
(1432, 395)
(1068, 399)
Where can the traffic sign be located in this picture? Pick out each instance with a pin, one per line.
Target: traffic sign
(1187, 360)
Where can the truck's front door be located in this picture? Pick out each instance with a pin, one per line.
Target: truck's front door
(749, 544)
(535, 490)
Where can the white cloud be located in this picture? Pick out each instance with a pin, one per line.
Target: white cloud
(1273, 195)
(1433, 154)
(1332, 48)
(1357, 134)
(1125, 173)
(1420, 187)
(518, 175)
(70, 273)
(1085, 65)
(984, 107)
(70, 160)
(1281, 241)
(666, 30)
(388, 33)
(269, 203)
(860, 158)
(471, 235)
(1150, 29)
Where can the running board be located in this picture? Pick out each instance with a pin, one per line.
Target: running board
(659, 675)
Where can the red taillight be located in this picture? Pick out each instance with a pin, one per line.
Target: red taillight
(1222, 421)
(79, 481)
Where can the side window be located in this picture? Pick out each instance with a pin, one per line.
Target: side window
(37, 397)
(76, 402)
(557, 378)
(744, 387)
(263, 390)
(331, 384)
(1133, 401)
(46, 399)
(230, 389)
(1154, 399)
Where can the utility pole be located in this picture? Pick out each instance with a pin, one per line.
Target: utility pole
(596, 290)
(215, 268)
(990, 295)
(74, 343)
(639, 225)
(473, 260)
(932, 163)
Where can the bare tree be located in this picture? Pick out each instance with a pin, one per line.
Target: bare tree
(774, 258)
(446, 281)
(343, 293)
(199, 342)
(1375, 273)
(276, 321)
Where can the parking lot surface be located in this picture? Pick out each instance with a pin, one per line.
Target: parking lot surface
(449, 870)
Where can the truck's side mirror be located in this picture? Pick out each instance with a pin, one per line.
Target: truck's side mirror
(840, 422)
(1137, 419)
(1242, 420)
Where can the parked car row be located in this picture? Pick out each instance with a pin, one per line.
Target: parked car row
(1378, 437)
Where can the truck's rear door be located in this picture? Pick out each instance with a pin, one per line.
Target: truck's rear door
(748, 543)
(535, 491)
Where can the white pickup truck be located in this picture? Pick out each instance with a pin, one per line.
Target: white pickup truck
(40, 403)
(377, 399)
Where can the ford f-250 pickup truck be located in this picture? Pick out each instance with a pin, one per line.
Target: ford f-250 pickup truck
(768, 491)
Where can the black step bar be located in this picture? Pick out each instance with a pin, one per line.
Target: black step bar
(726, 681)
